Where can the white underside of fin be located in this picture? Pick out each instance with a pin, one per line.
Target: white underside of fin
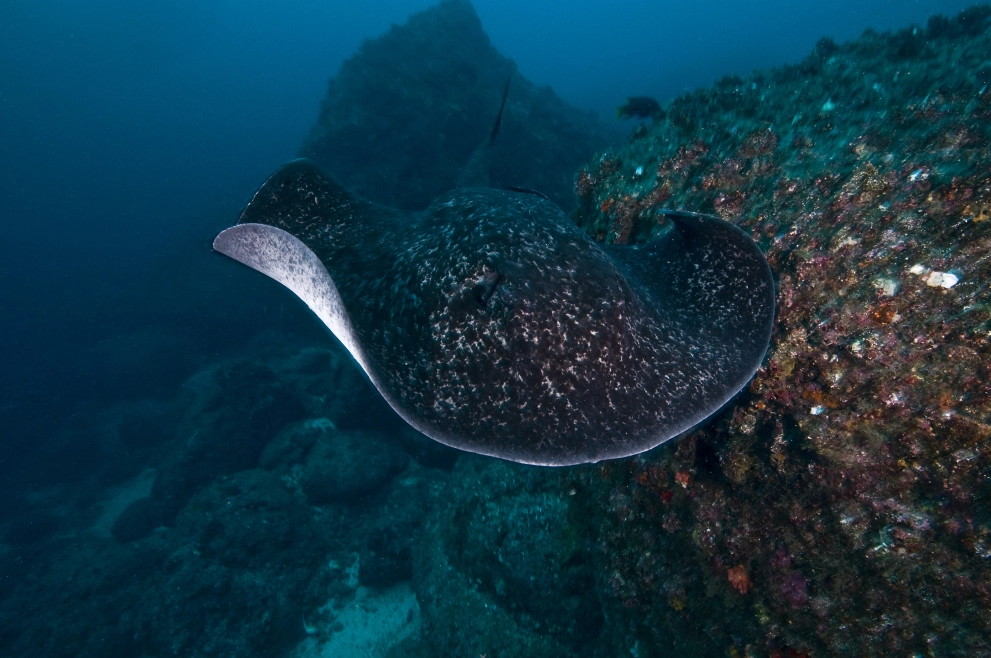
(283, 257)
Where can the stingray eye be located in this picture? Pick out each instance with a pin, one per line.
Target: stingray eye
(486, 286)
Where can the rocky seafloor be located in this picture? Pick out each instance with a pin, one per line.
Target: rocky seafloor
(840, 506)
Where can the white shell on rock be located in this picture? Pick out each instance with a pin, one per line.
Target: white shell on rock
(942, 279)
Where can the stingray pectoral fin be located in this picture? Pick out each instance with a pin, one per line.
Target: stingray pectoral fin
(282, 256)
(708, 277)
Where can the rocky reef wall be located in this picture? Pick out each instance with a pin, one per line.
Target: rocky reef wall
(841, 505)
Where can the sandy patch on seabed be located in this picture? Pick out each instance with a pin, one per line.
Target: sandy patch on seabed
(372, 623)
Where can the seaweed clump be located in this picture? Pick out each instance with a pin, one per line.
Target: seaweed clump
(841, 505)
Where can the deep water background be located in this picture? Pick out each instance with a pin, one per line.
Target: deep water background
(131, 132)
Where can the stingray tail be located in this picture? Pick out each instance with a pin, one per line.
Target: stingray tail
(502, 106)
(476, 172)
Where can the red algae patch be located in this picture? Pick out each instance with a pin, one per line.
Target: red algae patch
(739, 579)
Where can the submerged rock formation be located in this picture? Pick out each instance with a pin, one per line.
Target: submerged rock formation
(405, 113)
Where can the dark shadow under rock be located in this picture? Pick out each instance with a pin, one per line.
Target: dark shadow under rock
(404, 114)
(428, 452)
(137, 520)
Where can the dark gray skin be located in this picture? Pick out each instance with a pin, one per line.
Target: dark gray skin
(492, 324)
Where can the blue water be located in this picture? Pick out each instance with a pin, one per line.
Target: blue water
(131, 132)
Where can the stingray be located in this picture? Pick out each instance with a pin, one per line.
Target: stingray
(491, 323)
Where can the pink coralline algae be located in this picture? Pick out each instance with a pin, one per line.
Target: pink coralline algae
(780, 559)
(793, 589)
(852, 476)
